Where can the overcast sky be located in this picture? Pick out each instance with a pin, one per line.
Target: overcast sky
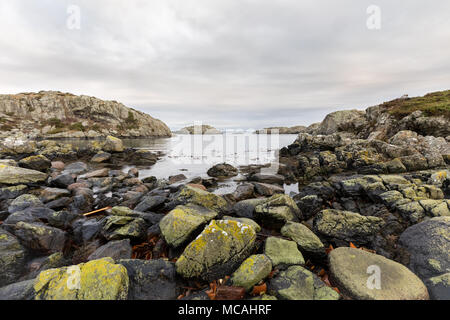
(229, 63)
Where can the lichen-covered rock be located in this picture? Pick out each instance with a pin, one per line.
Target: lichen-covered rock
(122, 227)
(121, 211)
(113, 144)
(435, 208)
(246, 208)
(355, 271)
(12, 258)
(439, 287)
(297, 283)
(101, 157)
(217, 251)
(277, 210)
(12, 192)
(151, 279)
(282, 252)
(189, 194)
(120, 249)
(179, 224)
(347, 226)
(15, 175)
(222, 170)
(23, 202)
(248, 221)
(306, 240)
(254, 269)
(40, 237)
(428, 244)
(39, 163)
(94, 280)
(18, 291)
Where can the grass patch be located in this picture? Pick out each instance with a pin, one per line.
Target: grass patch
(432, 104)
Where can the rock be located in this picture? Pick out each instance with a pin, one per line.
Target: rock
(243, 192)
(75, 168)
(347, 226)
(18, 291)
(297, 283)
(254, 269)
(306, 240)
(15, 175)
(86, 230)
(50, 194)
(353, 270)
(98, 280)
(23, 202)
(268, 178)
(12, 258)
(39, 163)
(58, 165)
(113, 144)
(428, 244)
(222, 170)
(95, 174)
(150, 203)
(347, 120)
(12, 192)
(309, 205)
(412, 211)
(202, 198)
(8, 162)
(121, 211)
(177, 178)
(438, 287)
(40, 237)
(246, 208)
(121, 227)
(151, 279)
(101, 157)
(116, 250)
(217, 251)
(435, 208)
(395, 166)
(181, 223)
(277, 210)
(248, 221)
(283, 252)
(62, 181)
(133, 172)
(267, 190)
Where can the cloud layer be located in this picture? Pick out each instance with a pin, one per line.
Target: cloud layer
(228, 63)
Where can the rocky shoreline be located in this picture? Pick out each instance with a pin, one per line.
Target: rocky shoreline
(370, 220)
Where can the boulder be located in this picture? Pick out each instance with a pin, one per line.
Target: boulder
(282, 252)
(38, 236)
(122, 227)
(39, 163)
(189, 194)
(101, 157)
(277, 210)
(248, 221)
(12, 192)
(217, 251)
(95, 280)
(246, 208)
(16, 175)
(346, 120)
(439, 287)
(254, 269)
(62, 181)
(428, 245)
(120, 249)
(75, 168)
(150, 203)
(95, 174)
(355, 272)
(23, 202)
(113, 144)
(50, 194)
(297, 283)
(151, 279)
(244, 191)
(180, 224)
(267, 178)
(306, 240)
(267, 190)
(18, 291)
(12, 258)
(222, 170)
(121, 211)
(347, 226)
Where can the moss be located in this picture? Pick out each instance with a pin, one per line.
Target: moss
(432, 104)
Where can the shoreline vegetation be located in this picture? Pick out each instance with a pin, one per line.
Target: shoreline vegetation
(373, 203)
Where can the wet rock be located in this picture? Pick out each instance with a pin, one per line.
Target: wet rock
(347, 226)
(121, 227)
(62, 180)
(113, 144)
(39, 163)
(12, 192)
(282, 252)
(180, 224)
(222, 170)
(101, 157)
(99, 280)
(151, 279)
(40, 237)
(254, 269)
(267, 190)
(306, 240)
(116, 250)
(438, 287)
(267, 178)
(352, 268)
(217, 251)
(428, 244)
(23, 202)
(277, 210)
(297, 283)
(246, 208)
(150, 203)
(15, 175)
(12, 258)
(18, 291)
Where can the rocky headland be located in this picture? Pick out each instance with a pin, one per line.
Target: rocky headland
(203, 129)
(370, 219)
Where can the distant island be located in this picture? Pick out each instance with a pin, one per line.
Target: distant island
(204, 129)
(282, 130)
